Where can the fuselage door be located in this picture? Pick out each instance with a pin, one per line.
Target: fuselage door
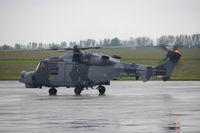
(56, 72)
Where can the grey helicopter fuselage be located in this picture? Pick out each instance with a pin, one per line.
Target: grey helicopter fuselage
(82, 69)
(91, 69)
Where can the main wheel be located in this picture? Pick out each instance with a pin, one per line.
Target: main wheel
(78, 90)
(102, 90)
(52, 91)
(165, 79)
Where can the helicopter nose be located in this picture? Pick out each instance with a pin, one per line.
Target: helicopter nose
(25, 77)
(22, 75)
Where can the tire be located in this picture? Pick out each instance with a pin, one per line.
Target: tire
(165, 79)
(78, 90)
(102, 90)
(52, 91)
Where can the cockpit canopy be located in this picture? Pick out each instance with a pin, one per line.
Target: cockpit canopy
(40, 65)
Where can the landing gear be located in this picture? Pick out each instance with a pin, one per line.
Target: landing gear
(101, 89)
(78, 90)
(165, 79)
(52, 91)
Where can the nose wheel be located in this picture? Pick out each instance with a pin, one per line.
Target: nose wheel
(52, 91)
(101, 89)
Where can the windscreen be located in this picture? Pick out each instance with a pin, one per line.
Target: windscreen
(37, 66)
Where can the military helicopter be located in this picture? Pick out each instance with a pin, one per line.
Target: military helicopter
(82, 70)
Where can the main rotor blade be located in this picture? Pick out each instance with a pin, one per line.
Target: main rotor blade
(80, 48)
(88, 48)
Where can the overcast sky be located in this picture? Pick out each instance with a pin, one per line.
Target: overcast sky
(23, 21)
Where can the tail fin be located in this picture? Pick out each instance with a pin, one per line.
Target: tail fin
(163, 70)
(166, 69)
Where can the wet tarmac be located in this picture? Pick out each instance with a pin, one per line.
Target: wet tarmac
(127, 107)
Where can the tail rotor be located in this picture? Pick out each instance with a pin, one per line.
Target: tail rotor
(166, 68)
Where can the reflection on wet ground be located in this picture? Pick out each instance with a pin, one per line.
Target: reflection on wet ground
(128, 106)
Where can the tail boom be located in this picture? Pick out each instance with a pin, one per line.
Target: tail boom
(163, 70)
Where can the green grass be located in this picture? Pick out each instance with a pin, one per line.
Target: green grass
(13, 62)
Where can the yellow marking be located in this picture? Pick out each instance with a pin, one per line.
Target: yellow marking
(51, 77)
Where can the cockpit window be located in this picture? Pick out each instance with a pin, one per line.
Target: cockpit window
(42, 65)
(38, 66)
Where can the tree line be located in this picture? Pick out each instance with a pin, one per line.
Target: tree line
(183, 41)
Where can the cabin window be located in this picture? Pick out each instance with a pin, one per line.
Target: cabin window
(54, 69)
